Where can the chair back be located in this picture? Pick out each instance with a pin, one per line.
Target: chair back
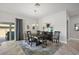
(28, 33)
(57, 34)
(38, 32)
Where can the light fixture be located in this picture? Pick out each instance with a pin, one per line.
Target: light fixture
(37, 4)
(35, 11)
(36, 8)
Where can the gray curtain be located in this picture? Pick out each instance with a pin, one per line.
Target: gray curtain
(19, 29)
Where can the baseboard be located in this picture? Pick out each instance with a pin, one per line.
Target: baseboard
(63, 42)
(69, 39)
(74, 38)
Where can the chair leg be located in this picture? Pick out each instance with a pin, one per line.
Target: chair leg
(52, 41)
(56, 40)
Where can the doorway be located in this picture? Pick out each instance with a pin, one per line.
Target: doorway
(6, 31)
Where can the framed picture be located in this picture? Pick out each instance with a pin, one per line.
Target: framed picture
(76, 27)
(33, 27)
(47, 25)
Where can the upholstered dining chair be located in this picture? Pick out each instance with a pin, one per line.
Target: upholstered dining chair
(29, 36)
(56, 36)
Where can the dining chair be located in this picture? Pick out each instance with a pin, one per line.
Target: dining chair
(56, 36)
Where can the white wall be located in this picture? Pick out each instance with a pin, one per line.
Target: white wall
(58, 22)
(5, 17)
(74, 34)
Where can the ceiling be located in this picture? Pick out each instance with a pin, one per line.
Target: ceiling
(27, 9)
